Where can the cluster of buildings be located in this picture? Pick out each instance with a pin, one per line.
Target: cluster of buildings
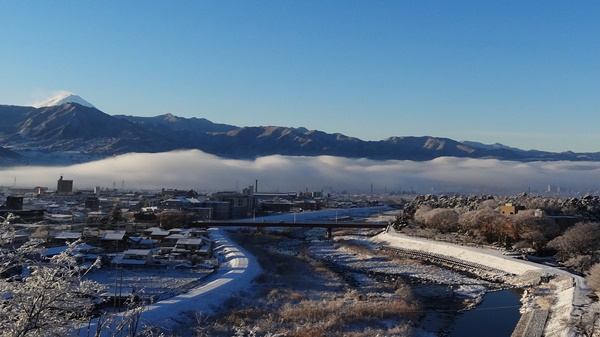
(141, 228)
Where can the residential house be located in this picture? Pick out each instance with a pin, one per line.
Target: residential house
(195, 232)
(114, 240)
(62, 238)
(140, 242)
(510, 209)
(134, 257)
(177, 203)
(187, 246)
(158, 233)
(80, 252)
(171, 240)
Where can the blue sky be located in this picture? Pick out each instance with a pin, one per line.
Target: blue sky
(522, 73)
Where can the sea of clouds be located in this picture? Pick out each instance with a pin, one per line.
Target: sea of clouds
(204, 172)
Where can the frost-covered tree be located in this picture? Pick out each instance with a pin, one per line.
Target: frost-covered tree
(593, 277)
(420, 215)
(51, 297)
(174, 218)
(441, 219)
(533, 232)
(488, 204)
(12, 255)
(578, 247)
(116, 214)
(581, 239)
(486, 223)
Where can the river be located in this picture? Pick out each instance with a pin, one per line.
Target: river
(496, 316)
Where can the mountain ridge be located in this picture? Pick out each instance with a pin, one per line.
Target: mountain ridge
(41, 135)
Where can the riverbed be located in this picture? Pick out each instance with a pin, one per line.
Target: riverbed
(443, 293)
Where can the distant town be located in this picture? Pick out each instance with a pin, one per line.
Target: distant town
(65, 205)
(147, 228)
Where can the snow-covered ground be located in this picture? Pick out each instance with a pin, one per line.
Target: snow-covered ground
(236, 272)
(490, 258)
(565, 296)
(155, 284)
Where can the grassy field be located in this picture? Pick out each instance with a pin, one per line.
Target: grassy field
(298, 295)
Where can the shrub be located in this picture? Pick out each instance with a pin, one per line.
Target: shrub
(593, 277)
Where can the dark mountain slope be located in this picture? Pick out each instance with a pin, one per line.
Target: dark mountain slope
(177, 128)
(73, 127)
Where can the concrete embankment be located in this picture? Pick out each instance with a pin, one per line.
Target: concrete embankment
(486, 257)
(531, 324)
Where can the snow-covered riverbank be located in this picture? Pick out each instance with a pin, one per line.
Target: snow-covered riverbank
(565, 298)
(487, 257)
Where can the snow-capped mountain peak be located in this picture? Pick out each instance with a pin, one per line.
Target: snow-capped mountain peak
(65, 98)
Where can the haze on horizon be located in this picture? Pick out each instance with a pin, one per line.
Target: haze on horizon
(512, 72)
(207, 173)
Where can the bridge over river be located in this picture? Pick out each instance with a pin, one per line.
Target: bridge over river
(329, 225)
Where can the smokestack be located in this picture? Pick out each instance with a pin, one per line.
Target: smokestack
(256, 186)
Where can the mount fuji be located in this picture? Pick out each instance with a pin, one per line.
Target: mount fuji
(65, 98)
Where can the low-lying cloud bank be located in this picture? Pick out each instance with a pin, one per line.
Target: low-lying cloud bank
(205, 172)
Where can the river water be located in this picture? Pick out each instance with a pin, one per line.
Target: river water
(496, 316)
